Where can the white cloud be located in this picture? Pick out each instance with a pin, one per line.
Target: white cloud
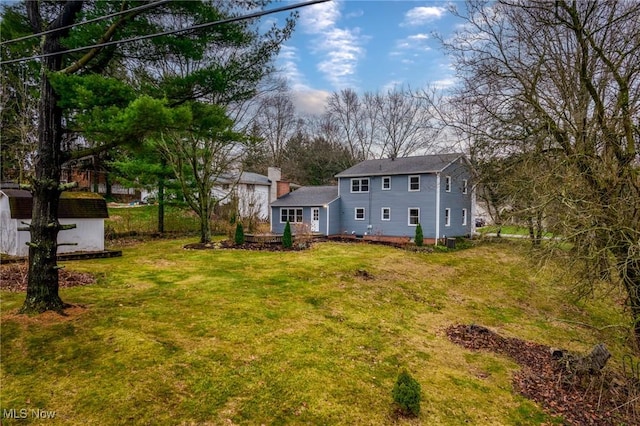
(319, 17)
(309, 101)
(423, 14)
(340, 48)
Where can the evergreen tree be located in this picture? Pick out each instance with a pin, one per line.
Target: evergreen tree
(287, 240)
(419, 238)
(239, 237)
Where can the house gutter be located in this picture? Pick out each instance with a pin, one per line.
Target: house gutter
(437, 207)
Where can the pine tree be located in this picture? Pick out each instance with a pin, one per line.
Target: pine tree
(419, 238)
(287, 241)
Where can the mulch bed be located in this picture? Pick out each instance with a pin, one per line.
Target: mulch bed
(227, 244)
(13, 277)
(605, 398)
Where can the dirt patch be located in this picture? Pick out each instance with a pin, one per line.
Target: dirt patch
(71, 312)
(13, 277)
(606, 398)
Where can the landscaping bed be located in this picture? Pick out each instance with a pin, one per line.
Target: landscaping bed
(605, 398)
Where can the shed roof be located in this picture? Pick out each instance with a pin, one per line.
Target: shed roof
(73, 205)
(308, 196)
(401, 166)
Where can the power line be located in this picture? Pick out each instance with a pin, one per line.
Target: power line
(100, 18)
(148, 36)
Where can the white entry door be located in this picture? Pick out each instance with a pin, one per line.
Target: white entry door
(315, 219)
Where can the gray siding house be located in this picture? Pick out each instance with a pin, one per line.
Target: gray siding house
(388, 198)
(315, 206)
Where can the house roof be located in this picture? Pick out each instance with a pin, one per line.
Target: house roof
(401, 166)
(246, 178)
(73, 205)
(308, 196)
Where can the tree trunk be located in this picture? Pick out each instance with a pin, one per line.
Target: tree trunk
(161, 205)
(42, 284)
(630, 271)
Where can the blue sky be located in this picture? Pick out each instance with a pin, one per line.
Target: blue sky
(368, 46)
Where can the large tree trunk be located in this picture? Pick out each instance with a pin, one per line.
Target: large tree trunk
(42, 285)
(630, 274)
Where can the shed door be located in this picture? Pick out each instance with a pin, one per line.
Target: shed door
(315, 219)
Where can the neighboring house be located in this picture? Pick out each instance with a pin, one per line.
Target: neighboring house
(252, 191)
(388, 198)
(84, 209)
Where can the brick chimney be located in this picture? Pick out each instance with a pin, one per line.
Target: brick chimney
(284, 188)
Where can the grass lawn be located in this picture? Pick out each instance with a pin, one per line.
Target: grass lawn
(174, 336)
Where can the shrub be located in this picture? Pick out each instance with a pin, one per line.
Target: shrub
(406, 394)
(239, 237)
(287, 240)
(419, 238)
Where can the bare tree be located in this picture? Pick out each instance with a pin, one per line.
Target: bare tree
(276, 123)
(344, 112)
(561, 80)
(405, 124)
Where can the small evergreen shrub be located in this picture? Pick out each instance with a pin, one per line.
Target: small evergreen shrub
(287, 240)
(406, 394)
(239, 237)
(419, 238)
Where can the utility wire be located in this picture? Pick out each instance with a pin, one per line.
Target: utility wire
(100, 18)
(148, 36)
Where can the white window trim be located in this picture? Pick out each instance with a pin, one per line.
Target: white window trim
(465, 184)
(464, 217)
(355, 213)
(383, 178)
(382, 213)
(409, 183)
(359, 185)
(447, 183)
(409, 216)
(294, 214)
(447, 217)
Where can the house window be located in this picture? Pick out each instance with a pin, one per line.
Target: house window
(360, 185)
(414, 183)
(291, 215)
(447, 183)
(386, 213)
(464, 217)
(359, 213)
(447, 217)
(386, 183)
(464, 186)
(225, 186)
(414, 216)
(251, 187)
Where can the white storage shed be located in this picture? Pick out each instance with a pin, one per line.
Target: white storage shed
(86, 210)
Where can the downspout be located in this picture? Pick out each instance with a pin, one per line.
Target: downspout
(437, 207)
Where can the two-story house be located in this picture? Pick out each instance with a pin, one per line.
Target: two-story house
(387, 198)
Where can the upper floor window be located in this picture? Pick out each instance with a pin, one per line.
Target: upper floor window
(360, 185)
(414, 183)
(447, 183)
(386, 183)
(464, 186)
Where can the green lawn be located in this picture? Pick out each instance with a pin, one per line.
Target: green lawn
(174, 336)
